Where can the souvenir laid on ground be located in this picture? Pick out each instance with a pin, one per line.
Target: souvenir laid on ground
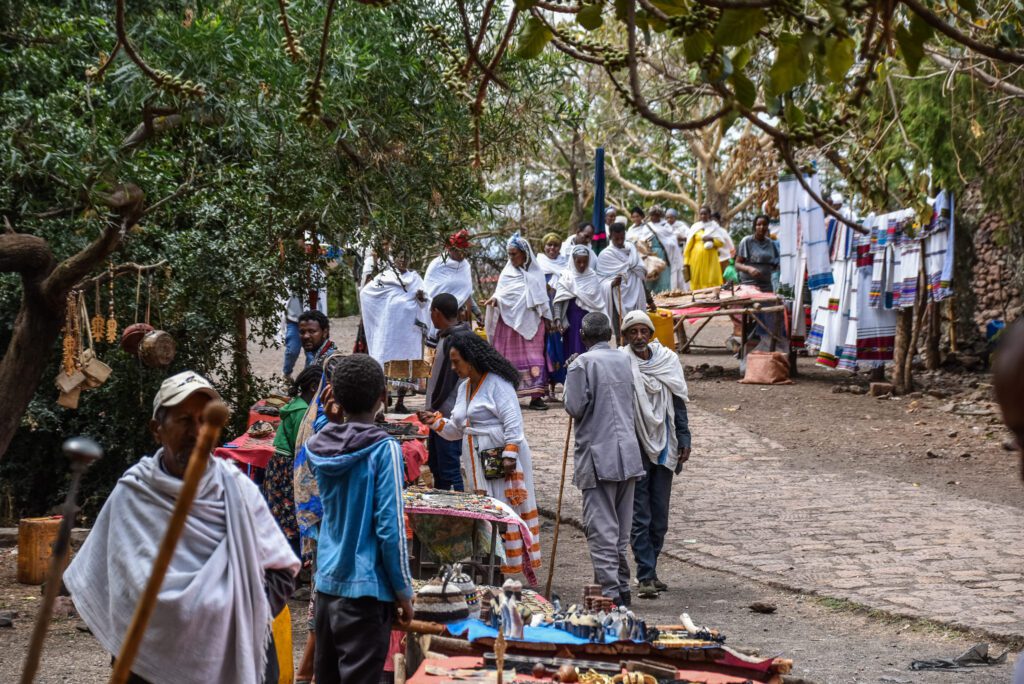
(441, 600)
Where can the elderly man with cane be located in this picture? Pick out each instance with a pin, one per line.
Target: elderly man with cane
(663, 432)
(607, 460)
(231, 571)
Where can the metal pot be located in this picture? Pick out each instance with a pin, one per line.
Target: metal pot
(157, 349)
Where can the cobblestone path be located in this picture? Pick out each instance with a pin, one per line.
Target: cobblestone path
(890, 545)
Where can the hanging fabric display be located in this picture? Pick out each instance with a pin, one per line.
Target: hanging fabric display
(939, 248)
(816, 247)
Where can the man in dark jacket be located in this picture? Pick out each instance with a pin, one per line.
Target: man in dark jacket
(444, 456)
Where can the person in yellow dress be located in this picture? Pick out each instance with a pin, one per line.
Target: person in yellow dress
(702, 256)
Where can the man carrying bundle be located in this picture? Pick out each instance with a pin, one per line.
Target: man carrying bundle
(232, 571)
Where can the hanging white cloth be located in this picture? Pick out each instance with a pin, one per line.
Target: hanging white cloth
(394, 319)
(521, 294)
(211, 621)
(789, 232)
(816, 248)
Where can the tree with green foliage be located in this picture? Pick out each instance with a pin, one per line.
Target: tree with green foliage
(109, 156)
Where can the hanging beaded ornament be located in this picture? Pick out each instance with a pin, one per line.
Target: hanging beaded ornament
(111, 321)
(98, 323)
(72, 335)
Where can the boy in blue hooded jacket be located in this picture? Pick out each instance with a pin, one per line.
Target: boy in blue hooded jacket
(362, 555)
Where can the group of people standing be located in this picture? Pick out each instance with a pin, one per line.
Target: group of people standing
(332, 493)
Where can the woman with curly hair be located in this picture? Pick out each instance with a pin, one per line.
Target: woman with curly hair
(496, 459)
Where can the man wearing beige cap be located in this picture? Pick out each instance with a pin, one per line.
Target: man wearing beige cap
(232, 570)
(662, 428)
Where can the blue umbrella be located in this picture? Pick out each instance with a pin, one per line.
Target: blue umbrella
(598, 215)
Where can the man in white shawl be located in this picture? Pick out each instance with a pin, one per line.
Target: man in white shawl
(451, 273)
(395, 318)
(232, 571)
(662, 428)
(518, 316)
(620, 264)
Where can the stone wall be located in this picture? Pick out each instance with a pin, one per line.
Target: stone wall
(997, 274)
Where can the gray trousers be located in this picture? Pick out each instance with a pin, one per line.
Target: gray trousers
(607, 519)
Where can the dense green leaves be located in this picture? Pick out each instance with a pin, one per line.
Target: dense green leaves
(911, 40)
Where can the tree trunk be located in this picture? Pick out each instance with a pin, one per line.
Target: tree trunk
(21, 370)
(904, 329)
(45, 287)
(931, 346)
(241, 355)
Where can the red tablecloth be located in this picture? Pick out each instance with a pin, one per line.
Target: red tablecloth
(473, 663)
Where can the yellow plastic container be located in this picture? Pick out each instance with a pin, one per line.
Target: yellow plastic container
(664, 329)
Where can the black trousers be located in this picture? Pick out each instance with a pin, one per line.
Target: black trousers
(650, 518)
(352, 639)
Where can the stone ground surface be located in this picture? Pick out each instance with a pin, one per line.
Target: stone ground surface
(788, 499)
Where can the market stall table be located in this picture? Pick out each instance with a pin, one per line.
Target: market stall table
(750, 304)
(420, 501)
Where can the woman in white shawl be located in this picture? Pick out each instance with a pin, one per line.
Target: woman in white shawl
(518, 316)
(451, 273)
(395, 318)
(579, 291)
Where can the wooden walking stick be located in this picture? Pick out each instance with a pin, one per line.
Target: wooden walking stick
(215, 415)
(558, 511)
(82, 452)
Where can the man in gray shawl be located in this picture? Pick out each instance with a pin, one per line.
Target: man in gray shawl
(232, 571)
(662, 429)
(607, 462)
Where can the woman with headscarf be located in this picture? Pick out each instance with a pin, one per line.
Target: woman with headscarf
(518, 316)
(579, 291)
(496, 457)
(552, 262)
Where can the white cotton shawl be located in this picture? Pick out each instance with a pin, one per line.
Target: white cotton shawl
(588, 289)
(625, 262)
(446, 275)
(712, 230)
(212, 619)
(673, 252)
(394, 320)
(522, 297)
(552, 266)
(655, 382)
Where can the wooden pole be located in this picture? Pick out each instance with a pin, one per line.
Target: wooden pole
(558, 512)
(215, 415)
(82, 452)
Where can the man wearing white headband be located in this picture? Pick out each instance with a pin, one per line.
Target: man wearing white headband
(662, 428)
